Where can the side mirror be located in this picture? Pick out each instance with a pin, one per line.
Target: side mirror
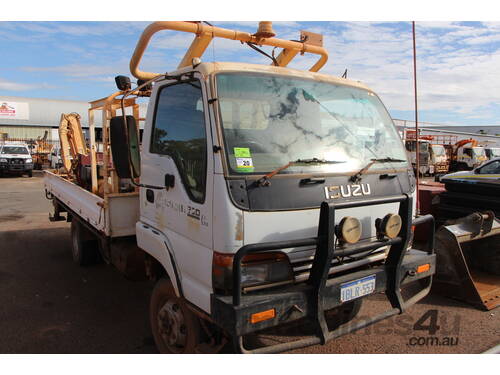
(123, 83)
(125, 147)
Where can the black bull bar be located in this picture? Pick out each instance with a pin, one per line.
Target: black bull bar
(319, 293)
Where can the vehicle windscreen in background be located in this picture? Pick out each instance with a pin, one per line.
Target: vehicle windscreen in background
(495, 152)
(438, 150)
(269, 121)
(14, 150)
(479, 151)
(423, 146)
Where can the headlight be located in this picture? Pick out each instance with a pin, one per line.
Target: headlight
(256, 270)
(3, 161)
(29, 160)
(269, 268)
(389, 226)
(349, 230)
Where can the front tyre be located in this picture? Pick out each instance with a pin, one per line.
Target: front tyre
(176, 329)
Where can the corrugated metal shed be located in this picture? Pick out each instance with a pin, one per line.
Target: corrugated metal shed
(47, 112)
(27, 132)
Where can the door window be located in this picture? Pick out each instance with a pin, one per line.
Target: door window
(179, 131)
(491, 168)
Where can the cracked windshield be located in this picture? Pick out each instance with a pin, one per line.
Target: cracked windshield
(320, 127)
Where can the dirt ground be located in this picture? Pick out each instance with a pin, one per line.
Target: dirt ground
(49, 305)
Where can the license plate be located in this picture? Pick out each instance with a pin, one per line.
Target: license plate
(357, 288)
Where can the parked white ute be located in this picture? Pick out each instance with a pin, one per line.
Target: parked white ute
(486, 171)
(15, 158)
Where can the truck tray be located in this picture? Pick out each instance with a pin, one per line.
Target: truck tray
(114, 216)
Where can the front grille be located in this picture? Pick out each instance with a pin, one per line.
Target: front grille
(423, 158)
(16, 161)
(302, 266)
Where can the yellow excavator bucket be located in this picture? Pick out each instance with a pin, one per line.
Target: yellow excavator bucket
(468, 260)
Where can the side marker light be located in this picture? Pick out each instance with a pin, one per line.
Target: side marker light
(263, 315)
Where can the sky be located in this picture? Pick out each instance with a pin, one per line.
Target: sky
(458, 63)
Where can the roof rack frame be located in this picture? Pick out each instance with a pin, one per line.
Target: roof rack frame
(204, 35)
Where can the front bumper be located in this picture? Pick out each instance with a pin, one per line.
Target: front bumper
(441, 168)
(8, 167)
(310, 299)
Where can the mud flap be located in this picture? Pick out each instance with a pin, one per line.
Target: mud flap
(468, 255)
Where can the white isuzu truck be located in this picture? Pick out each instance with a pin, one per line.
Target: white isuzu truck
(259, 196)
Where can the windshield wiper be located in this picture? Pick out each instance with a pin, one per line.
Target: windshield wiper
(317, 161)
(264, 180)
(357, 176)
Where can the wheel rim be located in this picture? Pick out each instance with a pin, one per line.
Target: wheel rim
(172, 326)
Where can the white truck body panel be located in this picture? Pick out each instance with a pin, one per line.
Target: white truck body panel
(304, 223)
(116, 218)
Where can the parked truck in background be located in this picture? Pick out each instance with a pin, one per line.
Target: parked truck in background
(425, 167)
(439, 159)
(466, 158)
(433, 157)
(260, 195)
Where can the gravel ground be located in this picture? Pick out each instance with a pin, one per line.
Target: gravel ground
(49, 305)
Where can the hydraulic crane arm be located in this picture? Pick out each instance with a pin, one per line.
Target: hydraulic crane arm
(71, 138)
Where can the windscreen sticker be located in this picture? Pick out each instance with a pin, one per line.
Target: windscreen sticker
(242, 152)
(244, 164)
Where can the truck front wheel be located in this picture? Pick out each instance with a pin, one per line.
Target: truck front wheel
(176, 329)
(83, 245)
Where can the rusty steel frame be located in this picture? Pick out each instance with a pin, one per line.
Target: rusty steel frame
(108, 106)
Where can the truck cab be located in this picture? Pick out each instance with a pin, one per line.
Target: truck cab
(426, 165)
(471, 157)
(439, 159)
(15, 158)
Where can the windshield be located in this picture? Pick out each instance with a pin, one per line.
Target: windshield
(424, 146)
(495, 152)
(14, 150)
(479, 151)
(269, 121)
(438, 150)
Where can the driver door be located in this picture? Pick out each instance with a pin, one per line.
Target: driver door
(176, 153)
